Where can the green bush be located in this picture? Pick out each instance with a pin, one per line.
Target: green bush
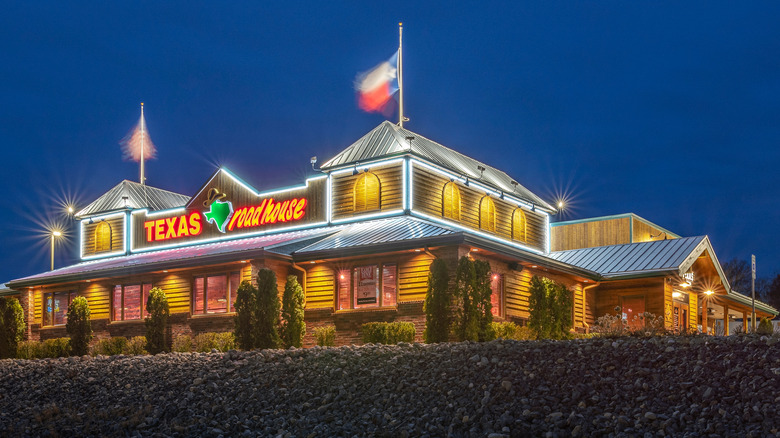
(79, 326)
(135, 345)
(266, 332)
(472, 292)
(293, 301)
(157, 321)
(326, 336)
(29, 350)
(182, 344)
(246, 302)
(205, 342)
(110, 346)
(388, 332)
(11, 326)
(765, 327)
(550, 306)
(57, 347)
(510, 330)
(438, 302)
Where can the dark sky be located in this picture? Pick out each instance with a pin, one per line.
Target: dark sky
(670, 110)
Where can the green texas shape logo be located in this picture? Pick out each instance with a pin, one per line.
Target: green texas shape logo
(220, 211)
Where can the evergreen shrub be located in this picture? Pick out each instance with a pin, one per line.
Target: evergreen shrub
(325, 336)
(472, 294)
(57, 347)
(293, 327)
(765, 327)
(135, 345)
(438, 304)
(157, 321)
(550, 306)
(11, 326)
(79, 326)
(388, 332)
(29, 350)
(205, 342)
(246, 301)
(182, 344)
(110, 346)
(266, 330)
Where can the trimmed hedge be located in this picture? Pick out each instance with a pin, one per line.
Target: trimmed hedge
(182, 344)
(223, 341)
(79, 327)
(110, 346)
(510, 330)
(388, 332)
(326, 336)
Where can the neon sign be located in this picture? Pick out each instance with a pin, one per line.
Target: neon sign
(269, 212)
(173, 227)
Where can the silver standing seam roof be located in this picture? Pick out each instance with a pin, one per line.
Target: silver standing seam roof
(632, 258)
(138, 196)
(389, 139)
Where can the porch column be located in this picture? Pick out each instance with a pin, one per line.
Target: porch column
(745, 323)
(704, 316)
(725, 319)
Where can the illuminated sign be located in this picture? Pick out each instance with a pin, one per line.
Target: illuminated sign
(174, 227)
(268, 212)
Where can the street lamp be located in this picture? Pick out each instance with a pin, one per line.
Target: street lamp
(54, 234)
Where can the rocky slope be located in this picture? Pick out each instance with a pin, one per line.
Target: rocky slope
(681, 386)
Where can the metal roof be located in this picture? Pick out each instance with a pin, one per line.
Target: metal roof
(382, 231)
(632, 258)
(230, 250)
(138, 196)
(389, 139)
(6, 291)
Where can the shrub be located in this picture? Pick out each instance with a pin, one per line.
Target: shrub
(438, 302)
(739, 329)
(326, 336)
(11, 326)
(266, 332)
(79, 327)
(472, 294)
(157, 321)
(765, 327)
(205, 342)
(246, 301)
(110, 346)
(550, 306)
(182, 344)
(57, 347)
(135, 345)
(388, 332)
(484, 305)
(29, 350)
(644, 325)
(293, 301)
(510, 330)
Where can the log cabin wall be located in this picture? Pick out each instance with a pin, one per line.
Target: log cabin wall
(320, 286)
(644, 231)
(427, 193)
(390, 186)
(117, 230)
(591, 234)
(609, 295)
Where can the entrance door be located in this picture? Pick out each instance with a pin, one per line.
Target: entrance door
(680, 319)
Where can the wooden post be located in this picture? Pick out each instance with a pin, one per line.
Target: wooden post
(745, 325)
(725, 319)
(704, 316)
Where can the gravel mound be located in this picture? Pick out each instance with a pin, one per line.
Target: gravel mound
(681, 386)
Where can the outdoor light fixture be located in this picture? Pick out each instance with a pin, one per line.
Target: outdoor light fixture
(686, 284)
(534, 266)
(676, 294)
(409, 139)
(355, 171)
(481, 170)
(55, 233)
(313, 161)
(560, 204)
(502, 195)
(708, 292)
(533, 207)
(467, 181)
(70, 209)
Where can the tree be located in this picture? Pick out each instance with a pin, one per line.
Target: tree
(244, 320)
(550, 307)
(438, 302)
(293, 302)
(157, 321)
(266, 332)
(79, 327)
(482, 295)
(11, 326)
(474, 309)
(739, 274)
(772, 293)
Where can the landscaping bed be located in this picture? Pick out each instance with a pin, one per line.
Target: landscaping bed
(696, 386)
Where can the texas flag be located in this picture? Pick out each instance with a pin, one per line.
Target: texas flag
(376, 87)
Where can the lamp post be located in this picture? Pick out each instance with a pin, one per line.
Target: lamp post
(53, 235)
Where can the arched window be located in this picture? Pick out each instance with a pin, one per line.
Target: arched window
(450, 201)
(487, 214)
(103, 237)
(519, 225)
(367, 192)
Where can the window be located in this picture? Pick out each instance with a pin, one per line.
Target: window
(497, 294)
(519, 225)
(487, 214)
(129, 301)
(450, 201)
(103, 237)
(215, 293)
(367, 286)
(55, 307)
(367, 192)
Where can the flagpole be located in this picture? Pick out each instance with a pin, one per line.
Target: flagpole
(400, 76)
(143, 179)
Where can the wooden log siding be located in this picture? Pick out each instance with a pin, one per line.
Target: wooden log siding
(178, 289)
(427, 197)
(578, 310)
(591, 234)
(517, 293)
(590, 306)
(391, 185)
(38, 306)
(98, 296)
(413, 277)
(320, 287)
(117, 236)
(643, 232)
(668, 305)
(693, 311)
(609, 295)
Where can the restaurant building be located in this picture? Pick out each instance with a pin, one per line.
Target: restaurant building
(360, 236)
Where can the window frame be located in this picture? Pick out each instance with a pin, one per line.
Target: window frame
(455, 201)
(487, 202)
(71, 294)
(142, 308)
(350, 275)
(498, 277)
(230, 295)
(522, 235)
(366, 207)
(103, 242)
